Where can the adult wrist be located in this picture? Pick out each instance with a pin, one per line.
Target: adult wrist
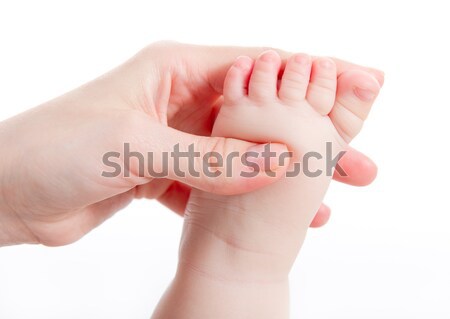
(13, 230)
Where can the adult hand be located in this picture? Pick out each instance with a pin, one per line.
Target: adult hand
(51, 186)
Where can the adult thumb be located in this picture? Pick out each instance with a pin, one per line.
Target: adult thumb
(214, 164)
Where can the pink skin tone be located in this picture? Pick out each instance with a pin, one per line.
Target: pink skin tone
(168, 93)
(236, 251)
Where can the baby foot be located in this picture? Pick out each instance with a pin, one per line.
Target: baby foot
(316, 115)
(309, 99)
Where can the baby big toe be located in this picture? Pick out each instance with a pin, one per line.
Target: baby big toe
(356, 92)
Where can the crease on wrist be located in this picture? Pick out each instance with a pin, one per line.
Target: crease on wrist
(186, 267)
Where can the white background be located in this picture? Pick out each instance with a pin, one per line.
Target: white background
(385, 252)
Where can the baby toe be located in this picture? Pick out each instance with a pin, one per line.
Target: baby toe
(263, 80)
(356, 92)
(322, 88)
(236, 81)
(294, 83)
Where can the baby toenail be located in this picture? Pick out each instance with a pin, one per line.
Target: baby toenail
(268, 56)
(242, 63)
(364, 94)
(326, 64)
(301, 59)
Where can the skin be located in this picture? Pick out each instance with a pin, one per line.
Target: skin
(51, 189)
(236, 251)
